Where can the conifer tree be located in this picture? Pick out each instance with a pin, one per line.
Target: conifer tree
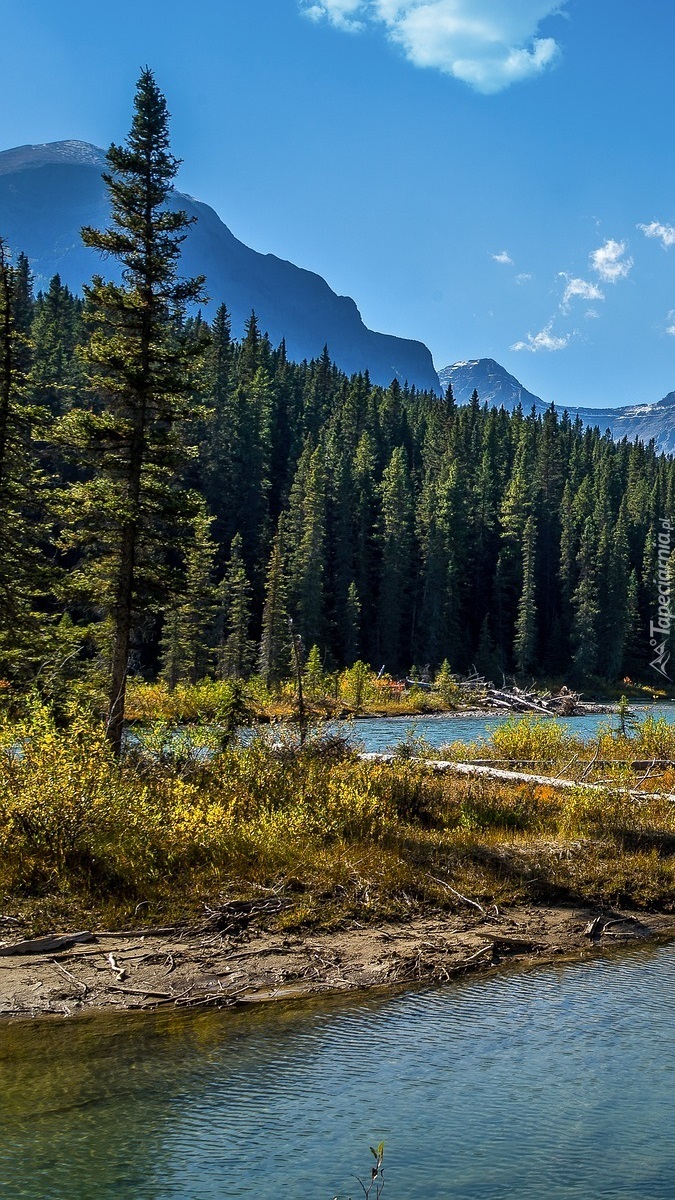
(307, 520)
(515, 509)
(140, 365)
(23, 570)
(585, 603)
(397, 543)
(485, 660)
(613, 560)
(57, 329)
(636, 642)
(236, 651)
(273, 655)
(352, 626)
(364, 507)
(185, 648)
(314, 675)
(524, 646)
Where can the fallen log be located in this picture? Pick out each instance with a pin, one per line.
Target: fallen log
(459, 768)
(47, 945)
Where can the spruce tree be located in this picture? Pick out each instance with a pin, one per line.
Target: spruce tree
(524, 646)
(57, 330)
(24, 574)
(273, 656)
(307, 524)
(236, 650)
(185, 649)
(352, 626)
(636, 644)
(396, 570)
(586, 606)
(140, 363)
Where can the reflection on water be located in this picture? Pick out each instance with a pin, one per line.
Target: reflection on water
(555, 1083)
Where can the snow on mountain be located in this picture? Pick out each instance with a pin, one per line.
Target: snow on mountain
(497, 388)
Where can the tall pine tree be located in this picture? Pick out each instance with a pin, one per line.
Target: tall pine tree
(140, 370)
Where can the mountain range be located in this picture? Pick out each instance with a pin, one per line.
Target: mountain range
(48, 192)
(497, 388)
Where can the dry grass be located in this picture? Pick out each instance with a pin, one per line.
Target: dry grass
(84, 840)
(332, 696)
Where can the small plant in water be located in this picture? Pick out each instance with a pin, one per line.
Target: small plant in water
(414, 745)
(376, 1176)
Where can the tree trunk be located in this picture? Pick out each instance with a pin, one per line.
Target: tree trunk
(122, 641)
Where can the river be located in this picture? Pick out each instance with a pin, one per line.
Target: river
(383, 733)
(553, 1083)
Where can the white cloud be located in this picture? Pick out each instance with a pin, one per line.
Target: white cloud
(670, 327)
(503, 257)
(341, 13)
(665, 233)
(610, 261)
(523, 277)
(544, 340)
(581, 289)
(488, 44)
(591, 314)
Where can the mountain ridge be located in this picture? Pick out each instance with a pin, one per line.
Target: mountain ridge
(49, 191)
(497, 387)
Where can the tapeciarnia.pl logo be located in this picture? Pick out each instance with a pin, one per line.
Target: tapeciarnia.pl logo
(659, 630)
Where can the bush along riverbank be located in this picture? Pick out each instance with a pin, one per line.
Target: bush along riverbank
(311, 842)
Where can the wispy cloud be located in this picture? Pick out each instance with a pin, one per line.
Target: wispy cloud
(524, 277)
(665, 233)
(503, 257)
(579, 289)
(489, 44)
(611, 261)
(670, 327)
(544, 340)
(343, 14)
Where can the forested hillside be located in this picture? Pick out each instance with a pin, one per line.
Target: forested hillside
(391, 525)
(176, 502)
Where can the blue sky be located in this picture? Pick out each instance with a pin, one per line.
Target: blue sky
(494, 177)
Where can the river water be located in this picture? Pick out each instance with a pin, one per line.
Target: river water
(383, 733)
(553, 1083)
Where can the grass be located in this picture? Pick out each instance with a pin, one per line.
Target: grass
(85, 840)
(350, 693)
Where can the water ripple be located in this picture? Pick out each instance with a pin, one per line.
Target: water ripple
(553, 1083)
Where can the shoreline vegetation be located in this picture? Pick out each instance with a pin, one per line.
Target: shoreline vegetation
(354, 694)
(246, 854)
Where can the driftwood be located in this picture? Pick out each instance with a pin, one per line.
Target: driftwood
(69, 975)
(518, 701)
(635, 764)
(443, 884)
(459, 768)
(47, 945)
(140, 991)
(563, 704)
(115, 967)
(517, 945)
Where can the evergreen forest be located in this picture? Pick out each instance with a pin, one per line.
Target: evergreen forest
(253, 496)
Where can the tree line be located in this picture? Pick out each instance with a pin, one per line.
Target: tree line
(171, 498)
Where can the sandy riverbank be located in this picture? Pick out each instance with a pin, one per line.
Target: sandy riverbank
(185, 968)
